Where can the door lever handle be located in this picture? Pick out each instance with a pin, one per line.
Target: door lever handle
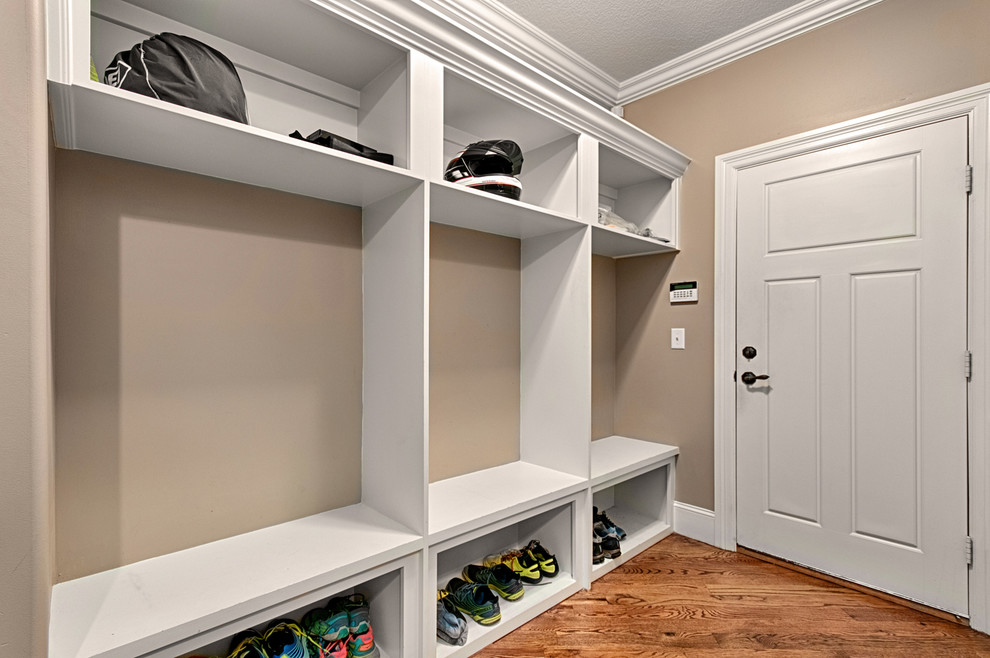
(748, 378)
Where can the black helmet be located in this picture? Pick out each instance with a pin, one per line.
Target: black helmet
(491, 165)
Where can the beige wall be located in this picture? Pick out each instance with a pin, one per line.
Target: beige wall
(25, 382)
(474, 351)
(888, 55)
(207, 357)
(602, 346)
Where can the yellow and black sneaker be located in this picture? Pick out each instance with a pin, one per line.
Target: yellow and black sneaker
(546, 562)
(525, 567)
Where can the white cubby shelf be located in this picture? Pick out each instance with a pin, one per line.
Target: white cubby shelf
(555, 524)
(633, 482)
(410, 81)
(168, 602)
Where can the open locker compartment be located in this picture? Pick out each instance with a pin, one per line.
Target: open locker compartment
(545, 454)
(637, 194)
(472, 112)
(554, 524)
(332, 76)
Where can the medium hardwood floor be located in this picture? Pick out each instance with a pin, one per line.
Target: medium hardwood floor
(685, 598)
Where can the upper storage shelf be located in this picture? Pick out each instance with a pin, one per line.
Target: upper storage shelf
(637, 194)
(303, 69)
(367, 70)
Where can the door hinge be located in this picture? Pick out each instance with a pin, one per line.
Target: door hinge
(969, 179)
(969, 551)
(968, 365)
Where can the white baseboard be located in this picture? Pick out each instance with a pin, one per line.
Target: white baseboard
(694, 522)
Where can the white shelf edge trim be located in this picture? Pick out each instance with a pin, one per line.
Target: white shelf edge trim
(616, 458)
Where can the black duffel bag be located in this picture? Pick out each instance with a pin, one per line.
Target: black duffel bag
(180, 70)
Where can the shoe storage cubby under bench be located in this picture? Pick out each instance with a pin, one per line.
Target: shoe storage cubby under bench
(173, 604)
(554, 524)
(633, 482)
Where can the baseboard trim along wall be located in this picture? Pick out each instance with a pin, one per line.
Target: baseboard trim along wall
(694, 522)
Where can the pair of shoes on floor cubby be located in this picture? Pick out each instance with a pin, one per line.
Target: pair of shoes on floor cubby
(605, 537)
(451, 624)
(341, 629)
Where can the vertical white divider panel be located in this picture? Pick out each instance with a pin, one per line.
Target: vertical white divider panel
(425, 116)
(555, 349)
(382, 114)
(395, 260)
(587, 183)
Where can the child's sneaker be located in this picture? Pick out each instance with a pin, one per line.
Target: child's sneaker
(609, 524)
(362, 641)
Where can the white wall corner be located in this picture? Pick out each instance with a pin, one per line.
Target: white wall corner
(694, 522)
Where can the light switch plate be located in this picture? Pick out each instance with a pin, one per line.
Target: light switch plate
(677, 339)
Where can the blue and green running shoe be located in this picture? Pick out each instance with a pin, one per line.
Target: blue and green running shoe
(451, 624)
(475, 600)
(329, 623)
(498, 577)
(248, 644)
(544, 560)
(362, 639)
(285, 639)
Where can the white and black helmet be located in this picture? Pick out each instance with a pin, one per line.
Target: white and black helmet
(491, 166)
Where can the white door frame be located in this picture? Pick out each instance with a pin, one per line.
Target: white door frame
(973, 103)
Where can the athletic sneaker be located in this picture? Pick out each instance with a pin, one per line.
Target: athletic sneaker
(499, 577)
(285, 639)
(475, 600)
(247, 644)
(451, 624)
(546, 562)
(620, 534)
(597, 555)
(525, 567)
(610, 543)
(362, 641)
(329, 623)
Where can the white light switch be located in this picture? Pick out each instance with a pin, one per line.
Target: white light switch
(677, 339)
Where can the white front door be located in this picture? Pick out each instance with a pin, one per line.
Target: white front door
(851, 288)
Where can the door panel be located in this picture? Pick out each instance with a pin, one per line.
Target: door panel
(851, 284)
(793, 428)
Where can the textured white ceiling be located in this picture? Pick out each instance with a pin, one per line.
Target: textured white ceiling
(627, 37)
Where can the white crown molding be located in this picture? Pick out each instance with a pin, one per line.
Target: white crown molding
(506, 29)
(425, 26)
(783, 25)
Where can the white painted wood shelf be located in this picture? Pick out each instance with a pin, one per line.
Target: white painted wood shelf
(406, 80)
(619, 243)
(467, 502)
(456, 205)
(154, 603)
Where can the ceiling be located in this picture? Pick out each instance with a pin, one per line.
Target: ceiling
(626, 38)
(616, 51)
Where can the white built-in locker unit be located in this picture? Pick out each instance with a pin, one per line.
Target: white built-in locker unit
(399, 77)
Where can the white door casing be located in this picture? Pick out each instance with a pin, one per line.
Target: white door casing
(851, 285)
(972, 104)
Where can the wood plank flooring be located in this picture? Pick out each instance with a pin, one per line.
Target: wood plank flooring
(682, 598)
